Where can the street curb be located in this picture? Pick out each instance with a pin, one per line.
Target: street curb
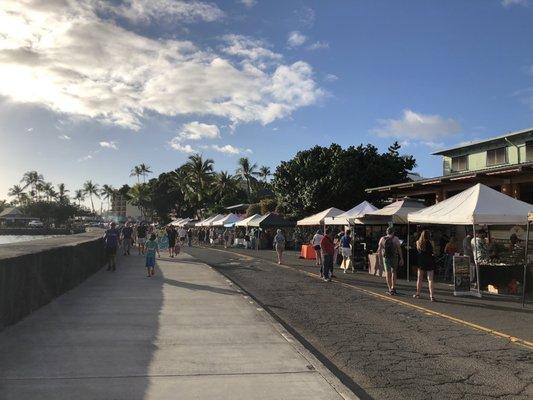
(303, 347)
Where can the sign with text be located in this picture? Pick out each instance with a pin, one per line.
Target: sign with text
(461, 276)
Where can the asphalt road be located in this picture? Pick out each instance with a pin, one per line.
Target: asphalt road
(380, 349)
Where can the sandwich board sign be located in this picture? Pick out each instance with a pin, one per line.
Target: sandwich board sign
(461, 276)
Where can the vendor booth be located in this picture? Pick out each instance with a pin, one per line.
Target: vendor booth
(345, 218)
(318, 218)
(226, 221)
(497, 263)
(246, 221)
(266, 228)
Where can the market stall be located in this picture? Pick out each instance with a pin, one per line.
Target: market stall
(266, 228)
(318, 218)
(497, 263)
(345, 218)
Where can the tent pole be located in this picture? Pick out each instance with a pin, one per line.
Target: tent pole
(476, 257)
(408, 251)
(525, 265)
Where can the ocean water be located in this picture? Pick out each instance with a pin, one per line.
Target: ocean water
(6, 239)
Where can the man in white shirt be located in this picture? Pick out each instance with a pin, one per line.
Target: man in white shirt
(315, 242)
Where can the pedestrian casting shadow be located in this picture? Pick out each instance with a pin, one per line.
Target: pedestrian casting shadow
(107, 327)
(194, 286)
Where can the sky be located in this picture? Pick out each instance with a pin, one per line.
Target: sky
(88, 89)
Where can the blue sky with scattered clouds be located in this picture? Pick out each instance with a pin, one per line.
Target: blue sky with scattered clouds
(90, 88)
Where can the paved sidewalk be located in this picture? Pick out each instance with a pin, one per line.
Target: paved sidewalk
(185, 333)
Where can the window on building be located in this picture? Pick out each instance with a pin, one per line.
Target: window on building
(459, 164)
(529, 151)
(497, 156)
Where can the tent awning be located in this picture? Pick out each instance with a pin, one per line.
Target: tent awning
(227, 221)
(318, 218)
(479, 204)
(347, 217)
(246, 222)
(271, 220)
(396, 212)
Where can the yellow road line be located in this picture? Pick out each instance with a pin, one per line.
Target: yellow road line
(522, 342)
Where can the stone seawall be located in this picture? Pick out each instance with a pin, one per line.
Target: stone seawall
(34, 273)
(40, 231)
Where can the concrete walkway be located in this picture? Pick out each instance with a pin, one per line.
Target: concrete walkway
(184, 334)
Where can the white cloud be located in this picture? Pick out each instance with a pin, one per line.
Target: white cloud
(59, 55)
(331, 77)
(145, 10)
(509, 3)
(184, 148)
(196, 131)
(296, 39)
(248, 3)
(109, 145)
(416, 126)
(29, 130)
(86, 158)
(318, 45)
(227, 149)
(64, 137)
(305, 16)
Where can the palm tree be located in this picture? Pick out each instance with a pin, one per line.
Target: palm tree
(16, 191)
(62, 193)
(108, 193)
(48, 189)
(246, 172)
(32, 179)
(264, 173)
(91, 189)
(136, 171)
(145, 170)
(199, 173)
(224, 185)
(139, 195)
(79, 196)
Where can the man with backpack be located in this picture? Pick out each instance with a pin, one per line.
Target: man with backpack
(390, 256)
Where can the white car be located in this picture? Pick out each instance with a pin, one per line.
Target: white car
(35, 224)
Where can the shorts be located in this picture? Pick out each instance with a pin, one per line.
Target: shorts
(279, 247)
(317, 248)
(390, 264)
(150, 261)
(141, 240)
(346, 252)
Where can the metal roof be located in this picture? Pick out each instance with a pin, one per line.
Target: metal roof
(508, 135)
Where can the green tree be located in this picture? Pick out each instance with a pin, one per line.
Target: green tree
(32, 179)
(144, 170)
(264, 173)
(108, 193)
(79, 196)
(324, 177)
(139, 195)
(198, 177)
(253, 209)
(267, 205)
(49, 191)
(247, 172)
(16, 191)
(136, 171)
(91, 189)
(62, 191)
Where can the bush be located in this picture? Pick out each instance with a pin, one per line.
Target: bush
(253, 209)
(268, 205)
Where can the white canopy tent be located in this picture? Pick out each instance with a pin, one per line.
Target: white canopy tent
(246, 221)
(318, 219)
(396, 212)
(227, 221)
(207, 221)
(184, 221)
(176, 222)
(478, 205)
(347, 217)
(216, 220)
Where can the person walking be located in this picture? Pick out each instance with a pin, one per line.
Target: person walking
(346, 251)
(426, 263)
(315, 242)
(142, 231)
(189, 237)
(171, 235)
(279, 244)
(151, 249)
(328, 250)
(111, 238)
(390, 257)
(127, 238)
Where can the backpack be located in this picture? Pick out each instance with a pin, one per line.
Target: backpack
(390, 248)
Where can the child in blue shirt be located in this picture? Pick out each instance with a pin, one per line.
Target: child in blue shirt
(151, 248)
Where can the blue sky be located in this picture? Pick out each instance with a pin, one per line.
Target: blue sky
(91, 88)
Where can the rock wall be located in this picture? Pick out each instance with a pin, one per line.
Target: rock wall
(34, 273)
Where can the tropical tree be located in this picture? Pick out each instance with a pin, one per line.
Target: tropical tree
(264, 173)
(136, 171)
(79, 196)
(108, 192)
(16, 191)
(139, 195)
(199, 174)
(62, 191)
(32, 179)
(91, 189)
(246, 172)
(49, 192)
(144, 170)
